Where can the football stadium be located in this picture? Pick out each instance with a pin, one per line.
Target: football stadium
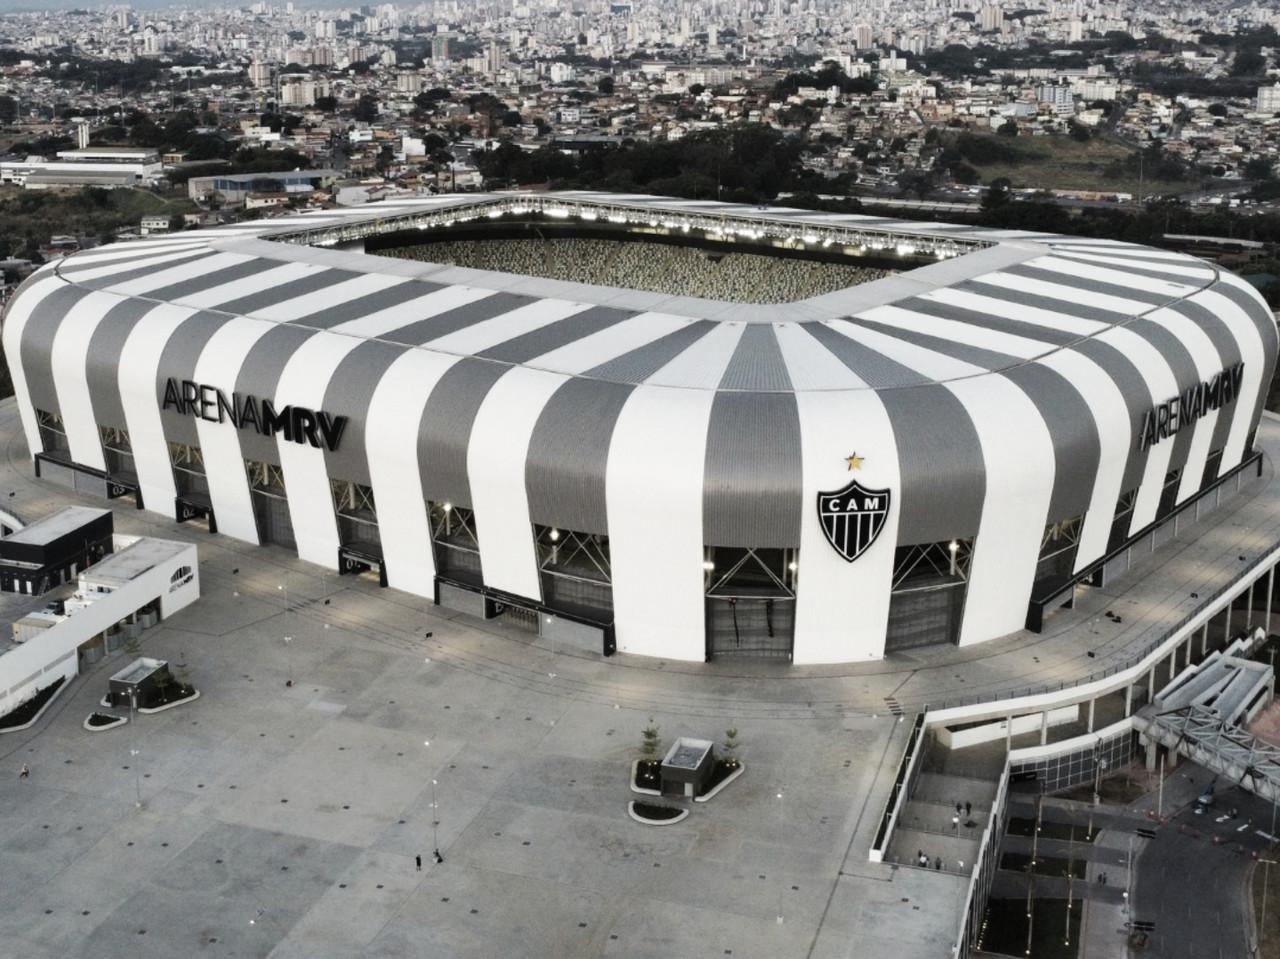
(687, 430)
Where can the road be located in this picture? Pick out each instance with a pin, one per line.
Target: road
(1190, 878)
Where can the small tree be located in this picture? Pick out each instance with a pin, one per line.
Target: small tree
(652, 741)
(731, 746)
(133, 647)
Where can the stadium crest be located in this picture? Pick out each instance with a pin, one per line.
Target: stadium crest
(853, 517)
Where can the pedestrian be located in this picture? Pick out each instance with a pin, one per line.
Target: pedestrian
(418, 860)
(955, 824)
(968, 807)
(959, 808)
(937, 864)
(439, 858)
(24, 772)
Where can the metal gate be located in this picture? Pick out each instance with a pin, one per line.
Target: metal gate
(752, 626)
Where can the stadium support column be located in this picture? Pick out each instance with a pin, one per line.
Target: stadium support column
(1271, 581)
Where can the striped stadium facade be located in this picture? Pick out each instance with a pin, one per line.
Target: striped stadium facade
(939, 456)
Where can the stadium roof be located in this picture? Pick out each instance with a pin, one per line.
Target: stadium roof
(989, 300)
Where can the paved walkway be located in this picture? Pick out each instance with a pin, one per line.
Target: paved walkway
(284, 819)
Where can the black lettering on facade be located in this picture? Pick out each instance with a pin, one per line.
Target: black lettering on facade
(273, 422)
(1167, 418)
(171, 395)
(295, 424)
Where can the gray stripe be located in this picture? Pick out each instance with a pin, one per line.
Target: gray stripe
(1094, 285)
(37, 344)
(568, 453)
(446, 428)
(1077, 449)
(1137, 400)
(125, 269)
(206, 280)
(320, 280)
(368, 305)
(874, 368)
(1185, 374)
(1049, 303)
(1265, 322)
(636, 366)
(543, 340)
(986, 321)
(469, 314)
(987, 359)
(756, 364)
(178, 360)
(1228, 353)
(259, 376)
(103, 369)
(940, 461)
(349, 394)
(751, 493)
(1156, 269)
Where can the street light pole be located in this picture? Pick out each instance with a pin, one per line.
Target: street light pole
(1266, 881)
(133, 753)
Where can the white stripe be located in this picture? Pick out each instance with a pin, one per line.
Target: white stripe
(1187, 267)
(1064, 293)
(303, 382)
(69, 359)
(1018, 461)
(1161, 384)
(1127, 250)
(928, 363)
(702, 365)
(16, 318)
(1115, 438)
(507, 326)
(658, 594)
(1023, 347)
(137, 372)
(842, 608)
(113, 267)
(391, 444)
(609, 343)
(496, 459)
(404, 314)
(1010, 310)
(318, 301)
(1254, 352)
(810, 365)
(207, 267)
(1122, 278)
(278, 276)
(219, 366)
(1207, 362)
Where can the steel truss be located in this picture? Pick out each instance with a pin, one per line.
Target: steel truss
(1196, 732)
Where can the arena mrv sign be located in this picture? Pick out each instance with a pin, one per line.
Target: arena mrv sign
(296, 424)
(1197, 400)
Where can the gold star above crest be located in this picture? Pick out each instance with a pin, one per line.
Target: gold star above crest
(854, 461)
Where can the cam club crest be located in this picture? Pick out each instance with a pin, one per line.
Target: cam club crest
(853, 517)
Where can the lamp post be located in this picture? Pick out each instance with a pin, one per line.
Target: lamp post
(133, 753)
(781, 822)
(435, 821)
(1266, 881)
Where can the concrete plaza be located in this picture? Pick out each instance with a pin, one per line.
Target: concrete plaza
(344, 729)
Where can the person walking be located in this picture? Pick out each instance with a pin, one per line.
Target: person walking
(24, 772)
(418, 860)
